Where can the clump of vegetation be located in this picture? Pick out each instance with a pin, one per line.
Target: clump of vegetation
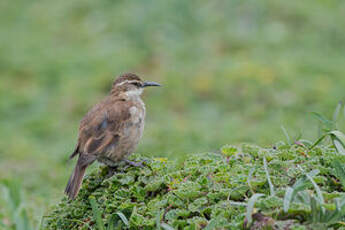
(243, 187)
(13, 215)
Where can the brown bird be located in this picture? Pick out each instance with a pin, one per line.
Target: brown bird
(111, 130)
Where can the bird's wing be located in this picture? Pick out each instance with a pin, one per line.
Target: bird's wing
(101, 127)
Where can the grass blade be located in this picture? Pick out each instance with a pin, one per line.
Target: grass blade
(40, 227)
(111, 222)
(250, 175)
(15, 205)
(338, 139)
(314, 210)
(337, 111)
(288, 139)
(338, 146)
(238, 203)
(339, 135)
(211, 225)
(21, 220)
(302, 197)
(123, 218)
(337, 214)
(96, 213)
(339, 172)
(14, 195)
(318, 141)
(306, 142)
(250, 206)
(302, 183)
(268, 178)
(324, 121)
(320, 117)
(288, 198)
(317, 189)
(158, 220)
(166, 226)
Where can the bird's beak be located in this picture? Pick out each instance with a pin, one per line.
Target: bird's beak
(150, 83)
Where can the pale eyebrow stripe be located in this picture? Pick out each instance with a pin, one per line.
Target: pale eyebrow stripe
(124, 82)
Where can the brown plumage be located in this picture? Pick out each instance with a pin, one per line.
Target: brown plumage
(111, 130)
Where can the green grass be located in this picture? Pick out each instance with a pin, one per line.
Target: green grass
(15, 214)
(233, 71)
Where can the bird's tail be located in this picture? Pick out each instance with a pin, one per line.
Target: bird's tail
(74, 182)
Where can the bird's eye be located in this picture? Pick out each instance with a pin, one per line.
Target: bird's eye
(137, 84)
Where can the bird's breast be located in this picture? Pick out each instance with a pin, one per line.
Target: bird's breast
(136, 121)
(137, 114)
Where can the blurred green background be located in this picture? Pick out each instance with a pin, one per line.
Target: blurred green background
(233, 71)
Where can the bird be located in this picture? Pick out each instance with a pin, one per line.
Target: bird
(111, 129)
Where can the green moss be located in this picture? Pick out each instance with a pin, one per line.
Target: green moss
(209, 189)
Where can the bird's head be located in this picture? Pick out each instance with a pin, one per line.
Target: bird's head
(129, 84)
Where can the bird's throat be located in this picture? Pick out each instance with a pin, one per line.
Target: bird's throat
(133, 94)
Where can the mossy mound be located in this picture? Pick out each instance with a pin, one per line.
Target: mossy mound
(213, 191)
